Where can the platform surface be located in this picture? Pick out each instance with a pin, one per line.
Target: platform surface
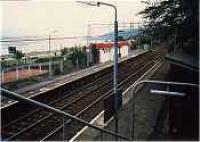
(147, 110)
(49, 84)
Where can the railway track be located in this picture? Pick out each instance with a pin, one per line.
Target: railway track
(43, 125)
(49, 97)
(86, 114)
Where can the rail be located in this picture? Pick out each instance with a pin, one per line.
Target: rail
(136, 84)
(19, 97)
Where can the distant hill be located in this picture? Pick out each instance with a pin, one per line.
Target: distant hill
(126, 34)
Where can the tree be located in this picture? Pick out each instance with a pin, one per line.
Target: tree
(78, 56)
(64, 51)
(95, 53)
(170, 18)
(19, 55)
(121, 38)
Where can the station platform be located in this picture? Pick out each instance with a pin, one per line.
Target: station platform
(50, 84)
(156, 117)
(147, 113)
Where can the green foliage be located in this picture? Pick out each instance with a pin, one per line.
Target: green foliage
(168, 18)
(145, 40)
(56, 70)
(64, 51)
(78, 56)
(94, 51)
(18, 55)
(46, 59)
(121, 38)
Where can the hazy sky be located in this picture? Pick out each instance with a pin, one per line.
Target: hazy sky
(39, 18)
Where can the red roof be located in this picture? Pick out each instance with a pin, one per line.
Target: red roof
(107, 44)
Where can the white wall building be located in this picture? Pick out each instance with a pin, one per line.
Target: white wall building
(106, 50)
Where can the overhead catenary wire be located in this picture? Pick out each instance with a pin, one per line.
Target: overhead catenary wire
(54, 38)
(36, 38)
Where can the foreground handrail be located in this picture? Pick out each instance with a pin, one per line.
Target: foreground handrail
(19, 97)
(136, 84)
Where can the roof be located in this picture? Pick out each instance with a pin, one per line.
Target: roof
(107, 44)
(183, 60)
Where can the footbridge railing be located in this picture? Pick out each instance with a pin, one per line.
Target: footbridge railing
(59, 112)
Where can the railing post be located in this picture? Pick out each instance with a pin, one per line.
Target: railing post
(153, 82)
(62, 113)
(101, 136)
(133, 115)
(63, 121)
(29, 69)
(40, 67)
(61, 66)
(2, 76)
(17, 73)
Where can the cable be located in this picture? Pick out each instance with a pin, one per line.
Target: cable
(57, 38)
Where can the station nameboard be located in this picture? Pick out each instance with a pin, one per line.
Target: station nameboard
(12, 50)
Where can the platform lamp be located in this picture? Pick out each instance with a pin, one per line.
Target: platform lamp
(50, 67)
(115, 72)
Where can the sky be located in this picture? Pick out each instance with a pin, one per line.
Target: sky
(68, 18)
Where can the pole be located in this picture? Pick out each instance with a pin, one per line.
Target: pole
(116, 72)
(40, 68)
(61, 65)
(49, 55)
(2, 76)
(17, 70)
(175, 40)
(29, 69)
(115, 66)
(87, 50)
(151, 38)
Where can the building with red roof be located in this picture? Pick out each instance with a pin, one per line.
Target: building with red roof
(105, 50)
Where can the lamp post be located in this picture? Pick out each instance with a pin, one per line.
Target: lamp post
(115, 66)
(88, 48)
(50, 72)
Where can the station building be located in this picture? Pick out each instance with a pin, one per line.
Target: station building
(105, 50)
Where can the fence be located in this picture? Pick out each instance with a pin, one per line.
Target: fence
(61, 113)
(159, 92)
(25, 71)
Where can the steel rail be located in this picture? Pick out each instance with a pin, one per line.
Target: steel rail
(103, 97)
(63, 107)
(49, 115)
(64, 97)
(121, 61)
(39, 121)
(57, 111)
(141, 69)
(78, 114)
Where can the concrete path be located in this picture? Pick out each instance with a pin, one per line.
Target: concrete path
(69, 77)
(147, 109)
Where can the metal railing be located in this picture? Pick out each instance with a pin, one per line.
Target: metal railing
(21, 98)
(136, 84)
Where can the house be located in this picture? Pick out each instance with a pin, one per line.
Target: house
(105, 50)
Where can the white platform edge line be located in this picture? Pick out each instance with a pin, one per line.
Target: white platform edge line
(74, 74)
(102, 113)
(85, 128)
